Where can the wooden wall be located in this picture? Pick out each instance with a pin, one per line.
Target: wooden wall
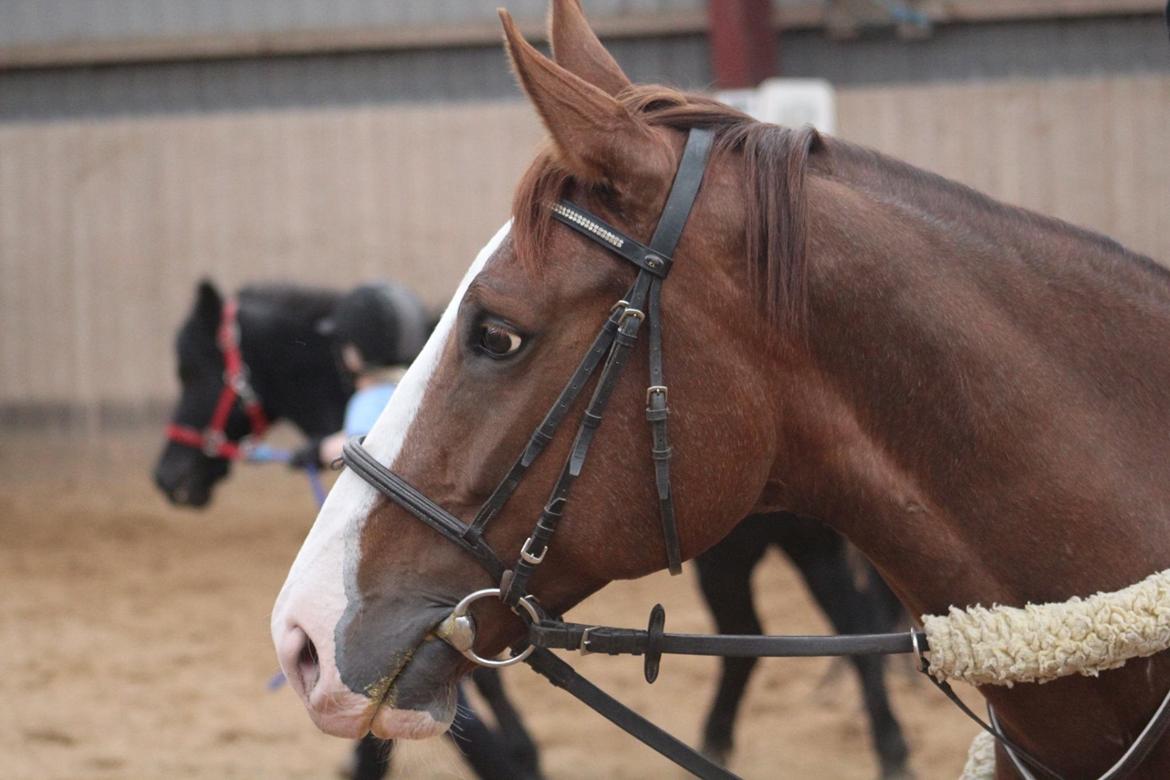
(105, 225)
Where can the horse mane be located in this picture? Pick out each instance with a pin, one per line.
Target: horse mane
(875, 172)
(774, 163)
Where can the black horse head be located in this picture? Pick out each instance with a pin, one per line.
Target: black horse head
(288, 367)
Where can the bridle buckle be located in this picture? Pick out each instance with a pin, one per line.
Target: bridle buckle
(528, 557)
(631, 312)
(656, 390)
(584, 649)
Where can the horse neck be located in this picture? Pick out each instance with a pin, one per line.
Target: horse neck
(986, 403)
(293, 369)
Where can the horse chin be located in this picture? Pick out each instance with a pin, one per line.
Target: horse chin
(389, 723)
(420, 700)
(190, 498)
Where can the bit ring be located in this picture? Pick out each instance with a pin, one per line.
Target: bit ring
(461, 620)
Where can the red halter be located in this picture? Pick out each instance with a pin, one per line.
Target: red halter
(213, 439)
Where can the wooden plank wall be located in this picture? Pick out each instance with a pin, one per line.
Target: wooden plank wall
(106, 225)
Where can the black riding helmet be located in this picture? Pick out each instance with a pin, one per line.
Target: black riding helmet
(386, 322)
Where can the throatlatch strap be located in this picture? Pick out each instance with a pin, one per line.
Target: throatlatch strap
(679, 203)
(657, 411)
(681, 199)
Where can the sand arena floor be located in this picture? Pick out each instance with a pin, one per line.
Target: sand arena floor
(135, 645)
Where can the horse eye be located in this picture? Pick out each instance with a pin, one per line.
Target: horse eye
(498, 340)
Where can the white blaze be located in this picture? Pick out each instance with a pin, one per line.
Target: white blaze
(314, 594)
(386, 438)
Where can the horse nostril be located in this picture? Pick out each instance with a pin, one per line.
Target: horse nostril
(300, 660)
(307, 665)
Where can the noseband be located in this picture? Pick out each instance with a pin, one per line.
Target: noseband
(237, 390)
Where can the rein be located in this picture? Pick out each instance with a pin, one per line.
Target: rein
(237, 390)
(610, 351)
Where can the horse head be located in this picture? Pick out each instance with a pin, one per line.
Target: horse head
(244, 363)
(187, 472)
(354, 624)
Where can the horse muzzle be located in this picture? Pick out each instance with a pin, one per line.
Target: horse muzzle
(370, 673)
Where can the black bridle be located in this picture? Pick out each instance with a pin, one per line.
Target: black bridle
(610, 350)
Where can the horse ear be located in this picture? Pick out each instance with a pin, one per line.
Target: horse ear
(208, 303)
(576, 47)
(597, 139)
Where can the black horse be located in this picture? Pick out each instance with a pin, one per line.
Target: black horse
(821, 557)
(261, 357)
(287, 363)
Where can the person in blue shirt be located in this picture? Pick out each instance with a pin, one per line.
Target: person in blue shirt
(377, 329)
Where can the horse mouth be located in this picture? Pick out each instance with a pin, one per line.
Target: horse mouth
(390, 723)
(417, 700)
(186, 491)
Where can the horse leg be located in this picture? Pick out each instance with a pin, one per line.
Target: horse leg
(820, 555)
(480, 746)
(517, 741)
(371, 758)
(890, 613)
(725, 580)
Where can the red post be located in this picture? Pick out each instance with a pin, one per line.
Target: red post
(743, 42)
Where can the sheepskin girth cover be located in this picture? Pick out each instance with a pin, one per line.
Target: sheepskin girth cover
(1043, 642)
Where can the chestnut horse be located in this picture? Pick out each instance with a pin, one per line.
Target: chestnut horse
(977, 396)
